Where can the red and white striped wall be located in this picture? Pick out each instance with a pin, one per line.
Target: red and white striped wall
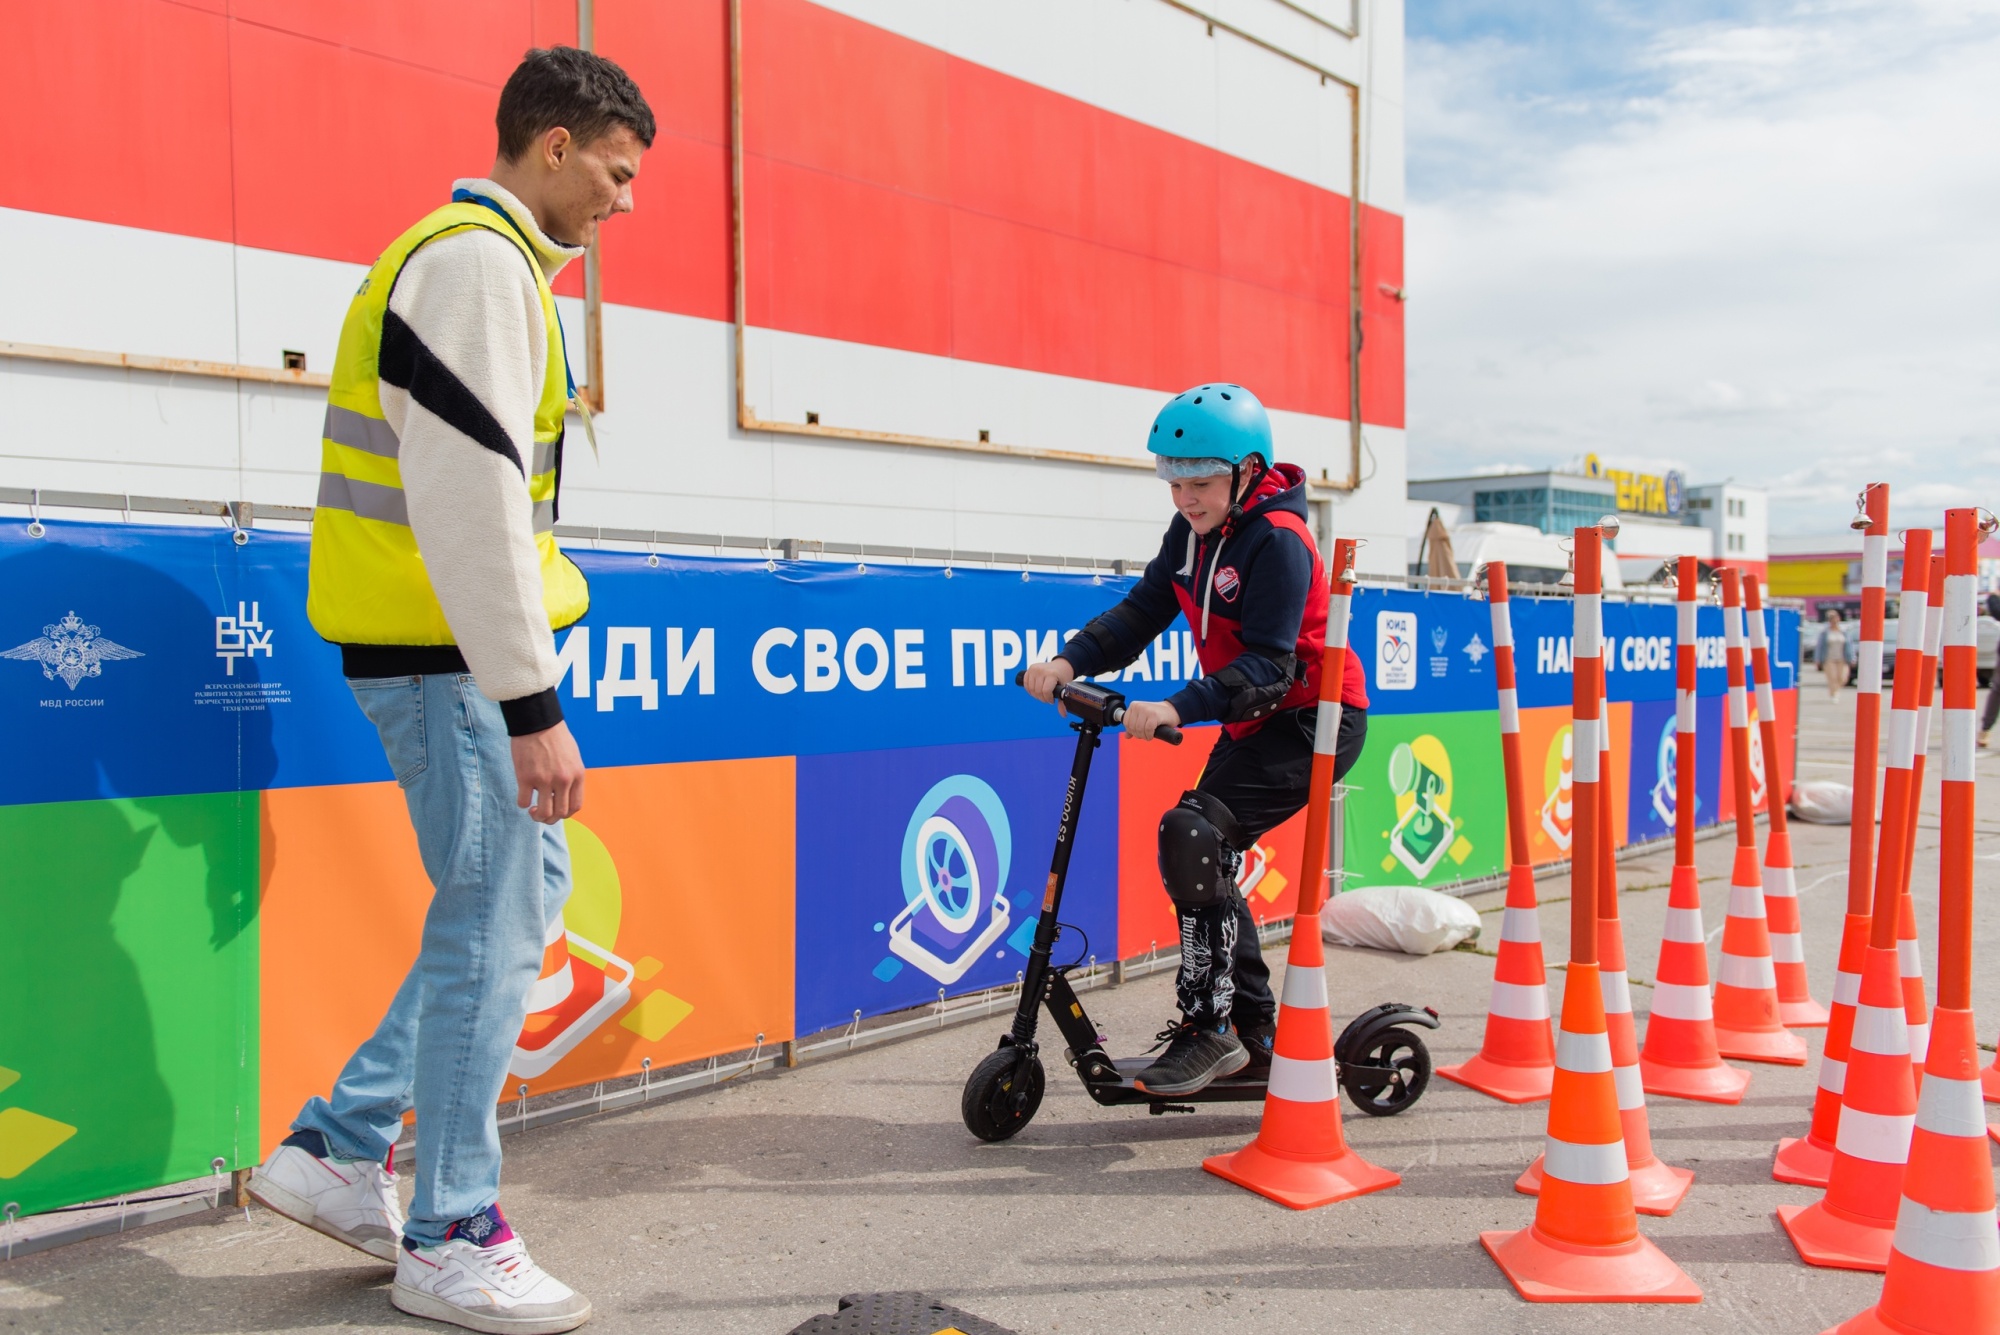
(1032, 220)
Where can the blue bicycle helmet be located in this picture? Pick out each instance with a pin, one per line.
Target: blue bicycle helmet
(1209, 430)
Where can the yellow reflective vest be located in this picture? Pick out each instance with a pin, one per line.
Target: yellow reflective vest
(368, 583)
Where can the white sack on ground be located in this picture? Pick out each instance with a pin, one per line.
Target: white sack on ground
(1406, 918)
(1823, 802)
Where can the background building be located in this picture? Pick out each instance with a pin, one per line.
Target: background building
(921, 278)
(1660, 518)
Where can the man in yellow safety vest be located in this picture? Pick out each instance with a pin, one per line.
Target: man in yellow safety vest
(435, 569)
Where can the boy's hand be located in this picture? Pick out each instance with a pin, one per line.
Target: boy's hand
(1143, 716)
(1042, 679)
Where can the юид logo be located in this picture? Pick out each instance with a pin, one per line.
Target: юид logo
(1425, 830)
(1396, 651)
(1557, 776)
(1227, 582)
(1475, 649)
(956, 852)
(71, 650)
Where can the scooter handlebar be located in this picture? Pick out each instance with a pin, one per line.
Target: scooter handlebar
(1103, 707)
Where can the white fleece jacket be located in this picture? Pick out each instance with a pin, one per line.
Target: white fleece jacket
(471, 304)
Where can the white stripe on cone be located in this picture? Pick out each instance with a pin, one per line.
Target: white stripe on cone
(1521, 926)
(1881, 1032)
(1747, 971)
(1787, 948)
(1585, 1165)
(1326, 731)
(1520, 1001)
(1832, 1075)
(1631, 1092)
(1617, 989)
(1682, 1001)
(1746, 901)
(1847, 988)
(1305, 988)
(1950, 1107)
(1583, 1054)
(1876, 1137)
(1685, 926)
(1961, 736)
(1302, 1081)
(1946, 1239)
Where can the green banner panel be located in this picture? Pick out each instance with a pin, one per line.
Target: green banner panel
(1424, 803)
(128, 994)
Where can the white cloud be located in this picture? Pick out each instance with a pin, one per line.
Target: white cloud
(1780, 263)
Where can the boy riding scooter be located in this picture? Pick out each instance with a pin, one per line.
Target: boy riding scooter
(1240, 562)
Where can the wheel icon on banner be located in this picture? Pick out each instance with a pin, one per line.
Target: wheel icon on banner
(948, 872)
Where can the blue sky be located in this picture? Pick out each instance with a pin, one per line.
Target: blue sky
(1751, 240)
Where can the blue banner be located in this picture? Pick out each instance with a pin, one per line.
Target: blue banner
(1429, 653)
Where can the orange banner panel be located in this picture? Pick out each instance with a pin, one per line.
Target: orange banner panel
(678, 933)
(1151, 778)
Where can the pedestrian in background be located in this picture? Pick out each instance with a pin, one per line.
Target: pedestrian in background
(435, 569)
(1831, 654)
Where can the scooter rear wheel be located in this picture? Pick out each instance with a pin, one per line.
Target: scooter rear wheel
(1400, 1052)
(1002, 1094)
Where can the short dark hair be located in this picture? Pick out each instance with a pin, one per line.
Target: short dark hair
(580, 91)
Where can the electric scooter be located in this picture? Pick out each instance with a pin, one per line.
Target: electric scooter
(1383, 1065)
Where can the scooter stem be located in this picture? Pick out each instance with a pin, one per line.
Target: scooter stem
(1034, 980)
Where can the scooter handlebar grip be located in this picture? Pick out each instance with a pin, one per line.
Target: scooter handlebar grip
(1168, 733)
(1021, 678)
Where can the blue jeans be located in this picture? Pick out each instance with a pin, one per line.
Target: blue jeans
(497, 877)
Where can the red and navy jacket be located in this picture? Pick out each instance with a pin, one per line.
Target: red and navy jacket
(1266, 594)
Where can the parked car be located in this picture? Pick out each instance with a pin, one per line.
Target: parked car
(1988, 631)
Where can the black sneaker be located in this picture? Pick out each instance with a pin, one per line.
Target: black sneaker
(1194, 1057)
(1259, 1043)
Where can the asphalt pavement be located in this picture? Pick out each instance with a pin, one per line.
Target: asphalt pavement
(746, 1209)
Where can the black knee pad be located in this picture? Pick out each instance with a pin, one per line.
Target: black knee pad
(1197, 851)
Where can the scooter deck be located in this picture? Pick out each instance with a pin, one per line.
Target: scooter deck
(1238, 1088)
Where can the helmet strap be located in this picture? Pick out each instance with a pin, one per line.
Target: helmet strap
(1236, 489)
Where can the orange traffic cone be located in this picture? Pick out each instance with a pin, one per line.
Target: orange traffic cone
(1746, 991)
(1989, 1081)
(1943, 1273)
(1656, 1188)
(1808, 1159)
(1944, 1265)
(1300, 1158)
(1680, 1059)
(1851, 1226)
(1516, 1063)
(1796, 1007)
(1585, 1245)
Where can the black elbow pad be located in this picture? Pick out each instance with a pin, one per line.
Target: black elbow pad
(1246, 700)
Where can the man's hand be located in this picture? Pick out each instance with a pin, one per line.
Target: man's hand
(1143, 716)
(549, 770)
(1042, 679)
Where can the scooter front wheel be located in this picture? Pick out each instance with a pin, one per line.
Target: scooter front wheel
(1002, 1094)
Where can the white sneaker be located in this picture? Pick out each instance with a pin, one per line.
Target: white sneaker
(350, 1200)
(496, 1287)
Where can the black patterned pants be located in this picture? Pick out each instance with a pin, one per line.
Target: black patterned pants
(1263, 778)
